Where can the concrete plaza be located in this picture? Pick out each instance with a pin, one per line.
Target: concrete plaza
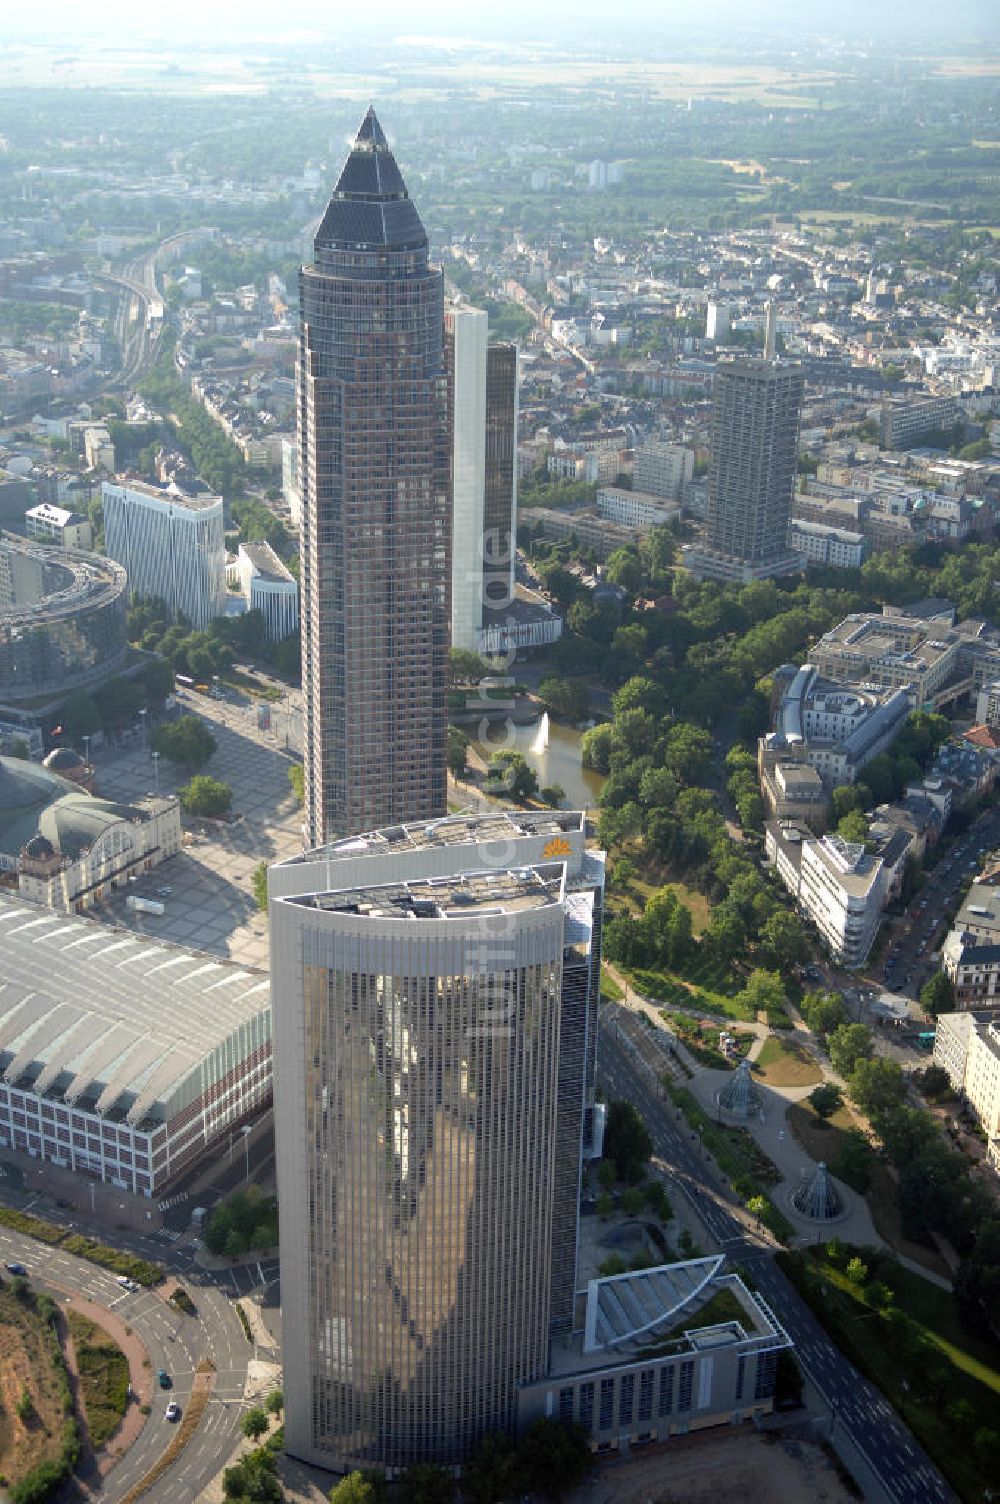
(211, 906)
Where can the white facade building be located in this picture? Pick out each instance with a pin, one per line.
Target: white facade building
(290, 479)
(269, 587)
(634, 508)
(821, 544)
(469, 332)
(717, 321)
(663, 470)
(837, 884)
(171, 546)
(967, 1046)
(58, 525)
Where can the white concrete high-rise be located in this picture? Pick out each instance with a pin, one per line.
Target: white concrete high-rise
(467, 336)
(171, 546)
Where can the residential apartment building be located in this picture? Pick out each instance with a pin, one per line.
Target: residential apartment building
(376, 506)
(836, 883)
(269, 587)
(834, 547)
(170, 545)
(634, 508)
(970, 955)
(663, 470)
(54, 524)
(906, 422)
(967, 1046)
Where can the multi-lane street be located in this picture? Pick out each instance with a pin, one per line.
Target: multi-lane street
(175, 1343)
(861, 1419)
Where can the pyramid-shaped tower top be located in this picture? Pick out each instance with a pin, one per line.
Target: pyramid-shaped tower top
(370, 208)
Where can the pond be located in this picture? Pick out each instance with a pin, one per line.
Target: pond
(553, 750)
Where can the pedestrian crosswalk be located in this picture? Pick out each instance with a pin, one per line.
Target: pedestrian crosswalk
(170, 1201)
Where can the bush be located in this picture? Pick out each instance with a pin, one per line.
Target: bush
(826, 1099)
(119, 1262)
(206, 796)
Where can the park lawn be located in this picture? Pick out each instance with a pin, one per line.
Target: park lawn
(656, 876)
(103, 1370)
(861, 1334)
(610, 990)
(782, 1062)
(679, 992)
(822, 1139)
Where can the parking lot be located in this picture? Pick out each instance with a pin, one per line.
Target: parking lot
(210, 904)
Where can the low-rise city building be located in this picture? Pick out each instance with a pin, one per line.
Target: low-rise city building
(124, 1058)
(834, 547)
(834, 727)
(269, 587)
(634, 508)
(967, 1046)
(837, 884)
(52, 524)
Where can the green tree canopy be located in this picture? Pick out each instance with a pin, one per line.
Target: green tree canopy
(937, 995)
(186, 741)
(203, 795)
(848, 1044)
(627, 1140)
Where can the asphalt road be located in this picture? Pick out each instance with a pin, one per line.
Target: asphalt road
(175, 1342)
(922, 930)
(858, 1410)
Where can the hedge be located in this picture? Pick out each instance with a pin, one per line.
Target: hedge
(116, 1259)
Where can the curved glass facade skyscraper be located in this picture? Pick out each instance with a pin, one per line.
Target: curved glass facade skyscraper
(374, 481)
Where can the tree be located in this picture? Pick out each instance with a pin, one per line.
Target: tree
(937, 995)
(848, 1044)
(853, 1163)
(254, 1423)
(494, 1473)
(632, 1201)
(784, 939)
(556, 1457)
(823, 1011)
(825, 1099)
(935, 1083)
(254, 1479)
(425, 1483)
(566, 698)
(458, 748)
(856, 1271)
(258, 882)
(764, 992)
(465, 667)
(275, 1402)
(853, 827)
(187, 742)
(877, 1085)
(80, 716)
(297, 781)
(595, 747)
(203, 795)
(627, 1141)
(359, 1488)
(553, 795)
(510, 774)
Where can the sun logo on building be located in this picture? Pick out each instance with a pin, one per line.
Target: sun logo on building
(558, 846)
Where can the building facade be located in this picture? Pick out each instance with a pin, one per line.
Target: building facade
(171, 546)
(435, 1027)
(634, 508)
(835, 547)
(967, 1046)
(838, 886)
(663, 470)
(123, 1059)
(270, 588)
(52, 524)
(376, 514)
(500, 490)
(906, 423)
(756, 406)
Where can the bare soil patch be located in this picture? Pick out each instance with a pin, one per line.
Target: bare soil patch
(29, 1384)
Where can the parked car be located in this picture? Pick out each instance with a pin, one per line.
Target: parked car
(15, 1268)
(173, 1411)
(126, 1283)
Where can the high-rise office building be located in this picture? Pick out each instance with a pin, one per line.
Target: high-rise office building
(482, 412)
(170, 545)
(435, 990)
(756, 405)
(373, 478)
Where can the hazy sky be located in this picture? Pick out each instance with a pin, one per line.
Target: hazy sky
(558, 19)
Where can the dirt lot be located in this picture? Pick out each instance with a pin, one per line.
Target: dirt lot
(26, 1366)
(718, 1465)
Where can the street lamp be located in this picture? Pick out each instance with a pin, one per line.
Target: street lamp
(142, 723)
(86, 749)
(246, 1131)
(156, 771)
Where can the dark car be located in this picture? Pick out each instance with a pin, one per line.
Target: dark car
(164, 1380)
(15, 1268)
